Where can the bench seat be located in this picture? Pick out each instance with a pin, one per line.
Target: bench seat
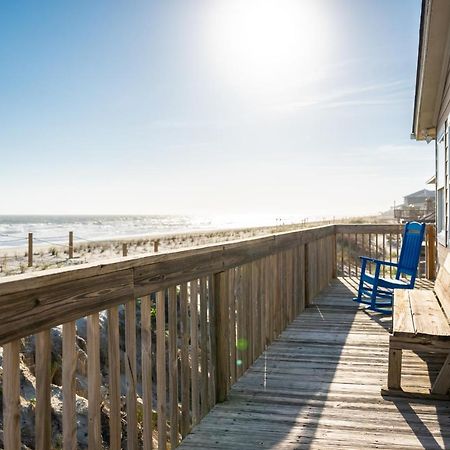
(417, 312)
(420, 323)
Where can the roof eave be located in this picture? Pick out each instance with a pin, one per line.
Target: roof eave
(432, 60)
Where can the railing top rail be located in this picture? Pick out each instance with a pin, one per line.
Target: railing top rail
(37, 301)
(369, 228)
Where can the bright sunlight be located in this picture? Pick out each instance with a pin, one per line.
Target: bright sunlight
(267, 43)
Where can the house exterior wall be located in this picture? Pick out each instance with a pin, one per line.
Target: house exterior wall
(442, 169)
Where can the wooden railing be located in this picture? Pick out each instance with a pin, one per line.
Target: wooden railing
(153, 342)
(381, 242)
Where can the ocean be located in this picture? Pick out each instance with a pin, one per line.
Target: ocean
(49, 230)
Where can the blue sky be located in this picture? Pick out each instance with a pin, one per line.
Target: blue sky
(208, 106)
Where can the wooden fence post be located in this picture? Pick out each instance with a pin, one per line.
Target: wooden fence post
(124, 249)
(430, 252)
(155, 245)
(30, 249)
(70, 244)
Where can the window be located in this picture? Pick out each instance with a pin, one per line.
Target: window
(440, 209)
(442, 185)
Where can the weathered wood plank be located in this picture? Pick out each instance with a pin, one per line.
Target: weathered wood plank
(34, 302)
(204, 346)
(147, 385)
(11, 396)
(222, 341)
(402, 321)
(368, 228)
(161, 368)
(25, 313)
(43, 386)
(427, 316)
(131, 374)
(93, 352)
(115, 427)
(245, 250)
(185, 372)
(173, 367)
(318, 386)
(212, 343)
(193, 307)
(69, 368)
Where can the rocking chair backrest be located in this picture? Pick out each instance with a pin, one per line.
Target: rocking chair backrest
(411, 247)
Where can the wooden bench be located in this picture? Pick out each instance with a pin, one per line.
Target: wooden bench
(420, 323)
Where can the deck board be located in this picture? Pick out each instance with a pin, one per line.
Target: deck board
(318, 386)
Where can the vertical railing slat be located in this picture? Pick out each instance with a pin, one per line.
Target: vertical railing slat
(204, 346)
(147, 385)
(213, 341)
(43, 390)
(173, 367)
(130, 373)
(161, 368)
(93, 351)
(390, 254)
(69, 367)
(193, 304)
(114, 378)
(185, 375)
(240, 321)
(11, 396)
(221, 331)
(266, 288)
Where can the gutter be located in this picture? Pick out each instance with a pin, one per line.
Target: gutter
(419, 57)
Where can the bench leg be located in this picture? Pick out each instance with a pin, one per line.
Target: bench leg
(395, 368)
(442, 382)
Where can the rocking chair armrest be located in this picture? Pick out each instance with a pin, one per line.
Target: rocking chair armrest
(379, 261)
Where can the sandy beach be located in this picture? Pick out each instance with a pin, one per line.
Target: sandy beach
(14, 261)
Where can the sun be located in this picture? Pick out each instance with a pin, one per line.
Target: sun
(266, 43)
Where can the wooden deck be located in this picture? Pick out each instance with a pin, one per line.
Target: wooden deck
(318, 386)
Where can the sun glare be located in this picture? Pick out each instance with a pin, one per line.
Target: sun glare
(266, 43)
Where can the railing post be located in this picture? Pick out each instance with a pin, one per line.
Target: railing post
(124, 249)
(221, 324)
(156, 245)
(70, 244)
(430, 252)
(30, 249)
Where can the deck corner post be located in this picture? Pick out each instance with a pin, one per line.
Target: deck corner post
(430, 249)
(221, 323)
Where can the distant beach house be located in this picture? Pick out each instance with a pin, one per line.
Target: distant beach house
(419, 199)
(419, 205)
(432, 104)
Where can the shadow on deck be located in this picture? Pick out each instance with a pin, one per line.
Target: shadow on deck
(318, 386)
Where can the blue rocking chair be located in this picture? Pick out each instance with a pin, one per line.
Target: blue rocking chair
(376, 291)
